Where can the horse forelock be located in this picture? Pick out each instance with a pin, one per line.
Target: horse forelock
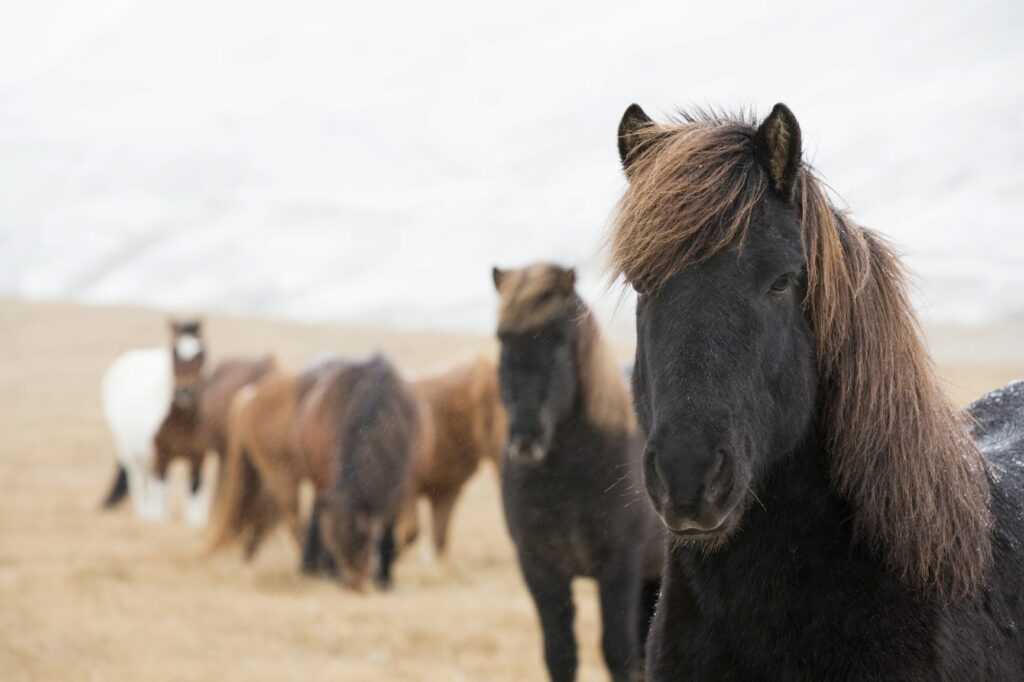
(897, 448)
(529, 298)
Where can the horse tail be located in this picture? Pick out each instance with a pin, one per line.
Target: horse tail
(240, 498)
(118, 489)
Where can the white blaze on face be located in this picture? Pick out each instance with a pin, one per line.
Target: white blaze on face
(187, 346)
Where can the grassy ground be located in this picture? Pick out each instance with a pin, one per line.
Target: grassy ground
(90, 595)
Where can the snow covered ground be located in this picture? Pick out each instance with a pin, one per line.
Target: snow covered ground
(371, 161)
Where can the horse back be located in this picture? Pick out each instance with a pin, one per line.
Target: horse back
(219, 388)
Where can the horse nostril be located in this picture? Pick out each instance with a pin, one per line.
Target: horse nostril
(717, 478)
(653, 478)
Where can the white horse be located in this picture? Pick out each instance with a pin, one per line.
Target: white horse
(137, 391)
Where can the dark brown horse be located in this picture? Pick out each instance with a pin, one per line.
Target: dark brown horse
(180, 436)
(468, 427)
(834, 516)
(354, 429)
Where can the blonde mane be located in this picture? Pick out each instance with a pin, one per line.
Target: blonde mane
(899, 451)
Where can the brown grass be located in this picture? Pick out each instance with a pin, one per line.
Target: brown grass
(86, 595)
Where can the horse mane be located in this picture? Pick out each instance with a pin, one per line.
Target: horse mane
(607, 399)
(897, 448)
(529, 299)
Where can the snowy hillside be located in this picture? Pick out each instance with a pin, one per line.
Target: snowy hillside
(367, 162)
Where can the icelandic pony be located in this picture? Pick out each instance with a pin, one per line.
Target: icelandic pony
(137, 391)
(218, 390)
(353, 430)
(833, 516)
(179, 434)
(570, 475)
(468, 427)
(197, 422)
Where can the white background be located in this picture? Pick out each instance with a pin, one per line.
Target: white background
(370, 162)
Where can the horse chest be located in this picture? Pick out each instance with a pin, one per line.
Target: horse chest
(556, 524)
(789, 614)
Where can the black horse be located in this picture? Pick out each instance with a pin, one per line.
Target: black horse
(833, 516)
(570, 474)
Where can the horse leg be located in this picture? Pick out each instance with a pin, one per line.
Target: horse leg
(117, 489)
(316, 560)
(156, 498)
(197, 505)
(312, 546)
(619, 590)
(441, 515)
(388, 550)
(136, 486)
(264, 515)
(552, 596)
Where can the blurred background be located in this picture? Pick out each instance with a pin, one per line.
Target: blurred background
(369, 162)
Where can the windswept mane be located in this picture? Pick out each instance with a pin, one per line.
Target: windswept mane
(899, 451)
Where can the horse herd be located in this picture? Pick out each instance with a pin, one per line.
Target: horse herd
(786, 492)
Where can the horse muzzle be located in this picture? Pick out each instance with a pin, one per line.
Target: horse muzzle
(526, 451)
(697, 498)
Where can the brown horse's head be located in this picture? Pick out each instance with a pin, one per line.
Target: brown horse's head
(189, 353)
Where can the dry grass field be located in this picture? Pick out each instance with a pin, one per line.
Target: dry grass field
(86, 595)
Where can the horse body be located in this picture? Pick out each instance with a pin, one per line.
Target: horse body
(352, 430)
(369, 446)
(832, 515)
(136, 393)
(571, 471)
(468, 427)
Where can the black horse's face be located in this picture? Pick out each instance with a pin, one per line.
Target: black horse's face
(538, 386)
(725, 375)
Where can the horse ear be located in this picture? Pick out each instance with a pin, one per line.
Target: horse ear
(567, 281)
(632, 142)
(497, 274)
(777, 148)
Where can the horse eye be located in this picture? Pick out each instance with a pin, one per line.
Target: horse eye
(782, 284)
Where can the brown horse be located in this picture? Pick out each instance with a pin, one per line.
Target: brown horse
(196, 423)
(179, 434)
(219, 388)
(468, 427)
(356, 431)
